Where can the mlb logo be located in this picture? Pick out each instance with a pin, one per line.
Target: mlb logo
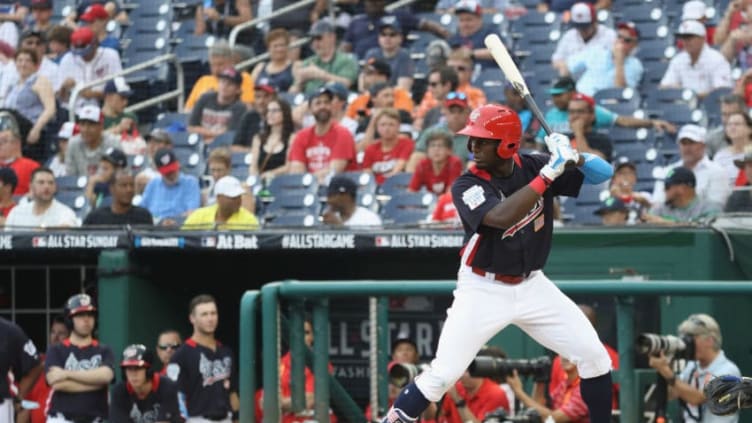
(38, 241)
(209, 242)
(382, 241)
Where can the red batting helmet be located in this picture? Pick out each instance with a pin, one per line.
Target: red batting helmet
(498, 123)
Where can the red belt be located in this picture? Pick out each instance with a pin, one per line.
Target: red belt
(508, 279)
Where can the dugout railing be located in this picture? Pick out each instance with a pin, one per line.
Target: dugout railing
(265, 304)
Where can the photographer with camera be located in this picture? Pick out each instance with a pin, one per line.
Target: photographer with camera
(567, 404)
(700, 344)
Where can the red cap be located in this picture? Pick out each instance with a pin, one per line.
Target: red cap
(94, 12)
(266, 88)
(82, 37)
(456, 98)
(629, 26)
(586, 98)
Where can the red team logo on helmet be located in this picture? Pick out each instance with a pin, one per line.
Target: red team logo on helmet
(498, 123)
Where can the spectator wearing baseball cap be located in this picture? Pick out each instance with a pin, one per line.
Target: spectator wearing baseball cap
(98, 185)
(390, 51)
(221, 57)
(172, 196)
(614, 66)
(711, 181)
(699, 67)
(86, 149)
(119, 122)
(563, 89)
(57, 163)
(340, 96)
(327, 64)
(377, 71)
(741, 198)
(622, 186)
(362, 33)
(682, 204)
(471, 32)
(455, 111)
(581, 112)
(226, 213)
(613, 212)
(89, 62)
(97, 17)
(341, 208)
(8, 183)
(586, 33)
(217, 112)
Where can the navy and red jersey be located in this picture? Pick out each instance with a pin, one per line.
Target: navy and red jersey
(205, 377)
(17, 353)
(523, 247)
(159, 405)
(75, 405)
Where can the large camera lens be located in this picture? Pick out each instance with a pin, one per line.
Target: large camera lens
(652, 344)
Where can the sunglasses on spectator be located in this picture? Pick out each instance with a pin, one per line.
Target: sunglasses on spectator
(434, 83)
(461, 68)
(627, 39)
(168, 346)
(454, 95)
(389, 34)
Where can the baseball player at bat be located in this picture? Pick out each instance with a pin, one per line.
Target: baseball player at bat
(505, 203)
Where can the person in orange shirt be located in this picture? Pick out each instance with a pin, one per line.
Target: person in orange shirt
(461, 61)
(470, 399)
(375, 71)
(220, 58)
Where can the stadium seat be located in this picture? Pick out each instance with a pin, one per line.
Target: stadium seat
(653, 30)
(645, 12)
(300, 183)
(186, 140)
(547, 20)
(591, 194)
(611, 96)
(407, 217)
(365, 180)
(76, 200)
(681, 114)
(585, 215)
(71, 183)
(190, 161)
(293, 220)
(292, 202)
(168, 119)
(711, 103)
(628, 135)
(223, 140)
(408, 204)
(396, 184)
(672, 96)
(137, 163)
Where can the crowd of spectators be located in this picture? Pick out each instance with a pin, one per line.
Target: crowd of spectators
(360, 97)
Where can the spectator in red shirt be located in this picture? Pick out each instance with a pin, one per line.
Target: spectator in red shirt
(557, 371)
(326, 147)
(566, 402)
(438, 170)
(445, 212)
(8, 182)
(471, 398)
(389, 154)
(40, 392)
(10, 156)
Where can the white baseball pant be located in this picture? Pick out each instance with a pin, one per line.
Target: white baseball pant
(6, 411)
(483, 306)
(205, 420)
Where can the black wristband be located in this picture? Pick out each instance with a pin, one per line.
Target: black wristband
(461, 403)
(671, 381)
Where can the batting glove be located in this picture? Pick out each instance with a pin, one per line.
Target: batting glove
(562, 153)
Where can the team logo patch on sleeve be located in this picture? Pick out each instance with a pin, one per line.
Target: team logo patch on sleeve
(473, 197)
(173, 371)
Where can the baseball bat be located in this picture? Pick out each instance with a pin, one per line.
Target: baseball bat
(513, 75)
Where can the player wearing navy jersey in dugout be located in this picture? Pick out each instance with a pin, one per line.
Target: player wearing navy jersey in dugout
(204, 369)
(19, 361)
(143, 396)
(505, 203)
(79, 369)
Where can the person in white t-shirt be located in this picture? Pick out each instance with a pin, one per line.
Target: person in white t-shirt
(587, 33)
(42, 211)
(342, 210)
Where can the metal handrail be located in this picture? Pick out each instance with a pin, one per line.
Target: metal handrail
(238, 28)
(178, 92)
(297, 43)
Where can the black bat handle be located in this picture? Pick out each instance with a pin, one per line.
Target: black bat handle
(537, 112)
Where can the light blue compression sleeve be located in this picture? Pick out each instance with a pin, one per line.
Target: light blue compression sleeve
(595, 169)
